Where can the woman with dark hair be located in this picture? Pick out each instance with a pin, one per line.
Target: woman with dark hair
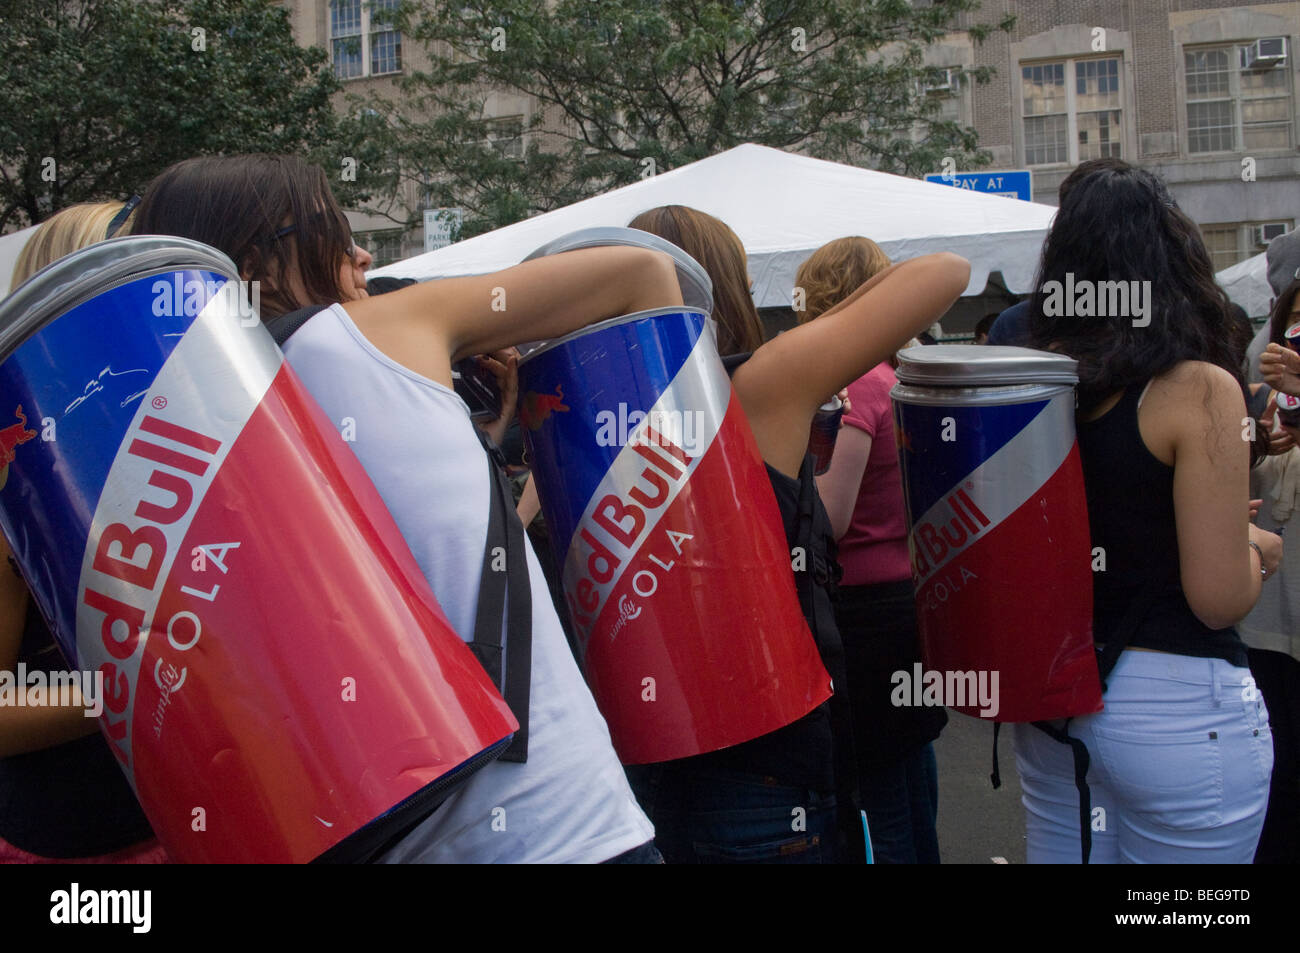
(1181, 754)
(385, 362)
(737, 805)
(719, 251)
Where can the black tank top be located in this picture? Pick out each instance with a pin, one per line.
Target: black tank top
(801, 753)
(71, 800)
(1131, 509)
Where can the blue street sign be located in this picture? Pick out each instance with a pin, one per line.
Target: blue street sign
(1012, 185)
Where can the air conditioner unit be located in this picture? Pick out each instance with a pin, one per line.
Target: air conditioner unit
(1266, 233)
(947, 81)
(1266, 52)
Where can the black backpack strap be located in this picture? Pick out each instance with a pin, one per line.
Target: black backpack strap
(1081, 764)
(821, 570)
(505, 595)
(282, 326)
(996, 776)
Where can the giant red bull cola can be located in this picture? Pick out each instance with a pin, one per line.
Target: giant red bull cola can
(279, 683)
(998, 525)
(674, 560)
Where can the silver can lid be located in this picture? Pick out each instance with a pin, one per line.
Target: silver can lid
(982, 365)
(697, 289)
(67, 282)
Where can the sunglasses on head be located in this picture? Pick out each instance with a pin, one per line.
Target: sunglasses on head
(349, 246)
(120, 218)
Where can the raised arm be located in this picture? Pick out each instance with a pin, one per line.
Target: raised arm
(789, 377)
(428, 326)
(840, 485)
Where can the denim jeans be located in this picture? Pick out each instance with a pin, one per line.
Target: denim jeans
(708, 816)
(1179, 768)
(902, 804)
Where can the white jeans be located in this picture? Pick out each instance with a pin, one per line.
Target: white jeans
(1179, 772)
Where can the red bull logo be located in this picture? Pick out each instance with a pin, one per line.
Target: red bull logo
(13, 435)
(128, 562)
(624, 519)
(933, 540)
(535, 409)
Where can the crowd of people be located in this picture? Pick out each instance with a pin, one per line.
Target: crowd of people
(1195, 753)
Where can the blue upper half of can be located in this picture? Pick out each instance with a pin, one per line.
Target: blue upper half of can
(80, 380)
(932, 465)
(601, 376)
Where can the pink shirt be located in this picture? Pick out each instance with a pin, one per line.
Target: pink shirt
(874, 548)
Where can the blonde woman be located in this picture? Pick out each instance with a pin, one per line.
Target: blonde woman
(67, 231)
(863, 493)
(62, 795)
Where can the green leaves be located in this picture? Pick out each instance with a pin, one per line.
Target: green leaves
(616, 82)
(115, 90)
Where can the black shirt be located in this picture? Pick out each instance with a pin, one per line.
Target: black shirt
(1131, 510)
(71, 800)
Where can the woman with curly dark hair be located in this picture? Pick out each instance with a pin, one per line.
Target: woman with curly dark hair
(1181, 755)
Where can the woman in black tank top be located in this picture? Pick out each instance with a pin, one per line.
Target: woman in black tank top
(1180, 757)
(788, 796)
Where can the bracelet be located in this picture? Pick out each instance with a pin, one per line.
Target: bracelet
(1255, 546)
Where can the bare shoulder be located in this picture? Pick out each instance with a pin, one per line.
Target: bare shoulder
(1193, 403)
(1205, 384)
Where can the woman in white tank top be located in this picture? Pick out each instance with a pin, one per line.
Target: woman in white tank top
(386, 364)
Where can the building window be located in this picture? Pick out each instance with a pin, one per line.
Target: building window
(506, 135)
(1230, 243)
(1072, 111)
(1236, 100)
(385, 247)
(362, 40)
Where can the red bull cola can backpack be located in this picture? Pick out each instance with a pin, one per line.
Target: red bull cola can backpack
(999, 536)
(193, 430)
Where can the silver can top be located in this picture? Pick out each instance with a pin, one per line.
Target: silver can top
(74, 278)
(982, 365)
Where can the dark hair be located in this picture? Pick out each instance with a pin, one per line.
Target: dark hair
(719, 251)
(1240, 333)
(1119, 223)
(245, 206)
(985, 324)
(1085, 169)
(1282, 313)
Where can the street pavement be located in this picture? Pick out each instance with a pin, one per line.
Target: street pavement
(976, 823)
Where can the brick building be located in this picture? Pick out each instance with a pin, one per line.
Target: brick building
(1201, 92)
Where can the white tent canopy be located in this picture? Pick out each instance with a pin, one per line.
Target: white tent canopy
(784, 207)
(1246, 283)
(11, 246)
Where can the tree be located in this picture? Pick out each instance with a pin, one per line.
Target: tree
(629, 88)
(98, 96)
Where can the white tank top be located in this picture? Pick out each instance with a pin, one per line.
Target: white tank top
(570, 803)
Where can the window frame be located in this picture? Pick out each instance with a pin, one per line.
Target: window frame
(1237, 97)
(1245, 248)
(1071, 111)
(364, 38)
